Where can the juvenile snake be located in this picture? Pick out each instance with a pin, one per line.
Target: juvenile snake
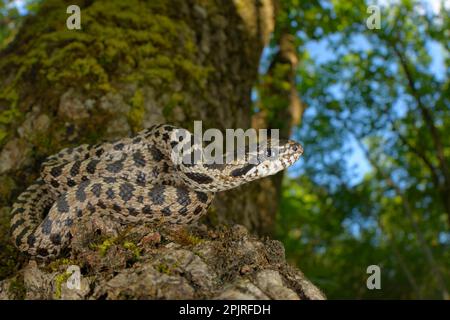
(134, 180)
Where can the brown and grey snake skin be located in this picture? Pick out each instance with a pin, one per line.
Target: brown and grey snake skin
(133, 180)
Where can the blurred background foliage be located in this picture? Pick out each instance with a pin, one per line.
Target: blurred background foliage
(12, 13)
(373, 186)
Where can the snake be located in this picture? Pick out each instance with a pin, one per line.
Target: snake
(132, 180)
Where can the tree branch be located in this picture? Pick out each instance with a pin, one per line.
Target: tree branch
(427, 116)
(421, 155)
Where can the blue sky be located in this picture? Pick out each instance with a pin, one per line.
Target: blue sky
(20, 5)
(321, 53)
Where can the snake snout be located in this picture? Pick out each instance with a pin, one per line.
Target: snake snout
(295, 147)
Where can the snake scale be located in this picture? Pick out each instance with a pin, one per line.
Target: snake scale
(133, 180)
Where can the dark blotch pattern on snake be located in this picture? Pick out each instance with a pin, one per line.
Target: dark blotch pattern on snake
(134, 180)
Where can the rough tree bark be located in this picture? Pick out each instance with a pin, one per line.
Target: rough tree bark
(133, 64)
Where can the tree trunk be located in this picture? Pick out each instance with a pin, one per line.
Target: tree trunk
(280, 106)
(132, 64)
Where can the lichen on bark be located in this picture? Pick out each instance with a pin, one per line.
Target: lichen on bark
(144, 263)
(121, 43)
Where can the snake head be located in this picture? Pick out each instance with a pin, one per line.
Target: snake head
(213, 172)
(268, 158)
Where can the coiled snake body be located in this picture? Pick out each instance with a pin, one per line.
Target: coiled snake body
(134, 180)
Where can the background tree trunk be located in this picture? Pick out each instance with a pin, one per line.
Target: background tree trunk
(132, 64)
